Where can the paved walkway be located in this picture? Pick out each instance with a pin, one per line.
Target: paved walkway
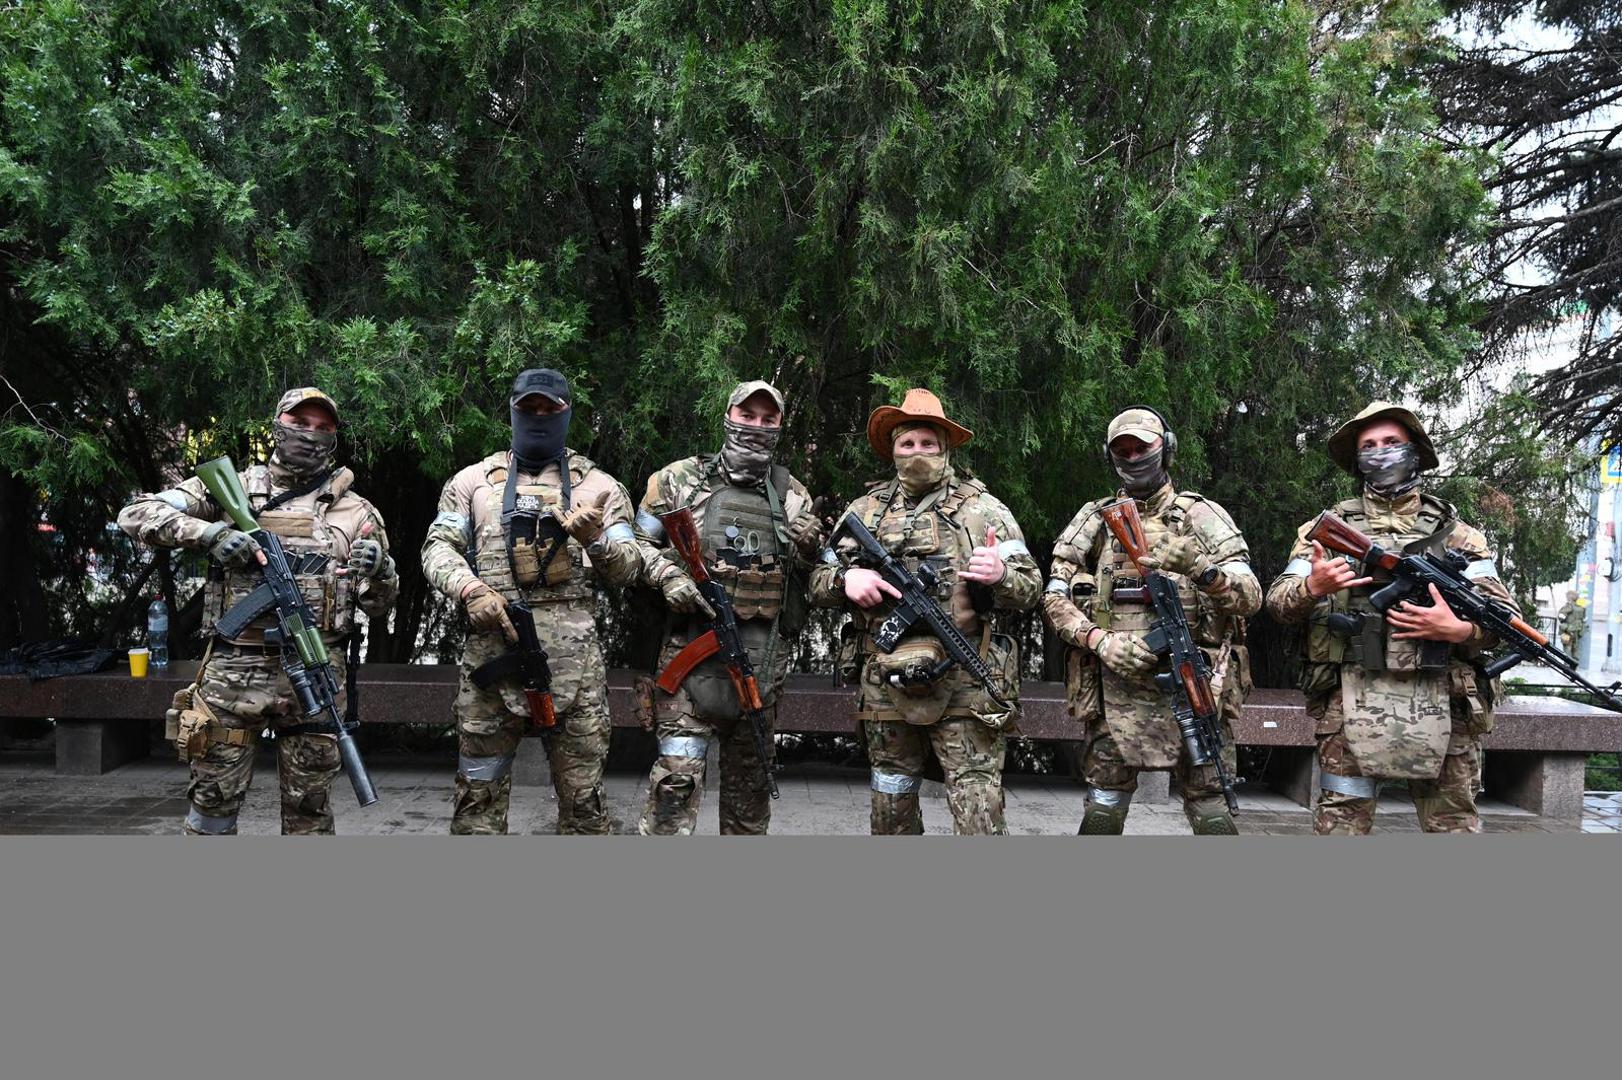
(148, 797)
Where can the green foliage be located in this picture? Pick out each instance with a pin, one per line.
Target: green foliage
(1239, 212)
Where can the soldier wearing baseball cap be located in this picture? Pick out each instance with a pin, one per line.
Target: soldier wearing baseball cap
(1399, 698)
(1095, 604)
(301, 495)
(536, 524)
(760, 536)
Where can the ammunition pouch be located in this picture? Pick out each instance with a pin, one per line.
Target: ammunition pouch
(1083, 686)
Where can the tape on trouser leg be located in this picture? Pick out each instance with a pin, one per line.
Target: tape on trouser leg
(208, 825)
(1358, 787)
(1108, 797)
(893, 783)
(689, 746)
(485, 768)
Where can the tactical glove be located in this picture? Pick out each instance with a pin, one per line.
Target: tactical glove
(231, 548)
(487, 611)
(682, 596)
(368, 559)
(1178, 555)
(585, 523)
(1126, 654)
(807, 534)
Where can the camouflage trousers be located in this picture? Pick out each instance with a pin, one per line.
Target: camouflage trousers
(970, 753)
(1446, 804)
(248, 692)
(488, 734)
(676, 784)
(1111, 781)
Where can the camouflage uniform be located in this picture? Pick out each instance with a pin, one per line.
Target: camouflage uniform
(1129, 723)
(242, 681)
(1572, 625)
(489, 723)
(745, 534)
(1384, 710)
(955, 720)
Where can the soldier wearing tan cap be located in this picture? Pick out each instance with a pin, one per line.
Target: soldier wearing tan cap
(759, 536)
(927, 512)
(1393, 696)
(1093, 603)
(307, 500)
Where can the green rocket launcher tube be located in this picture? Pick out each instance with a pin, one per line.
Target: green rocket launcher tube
(304, 654)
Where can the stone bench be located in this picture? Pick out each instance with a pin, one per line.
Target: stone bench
(1536, 757)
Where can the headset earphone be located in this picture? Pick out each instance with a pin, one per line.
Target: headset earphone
(1168, 440)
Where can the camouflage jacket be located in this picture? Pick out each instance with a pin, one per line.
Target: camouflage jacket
(943, 528)
(467, 533)
(325, 521)
(1572, 620)
(745, 540)
(1089, 564)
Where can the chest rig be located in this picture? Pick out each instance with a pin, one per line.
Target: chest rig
(743, 533)
(1348, 630)
(937, 533)
(520, 549)
(300, 521)
(1121, 601)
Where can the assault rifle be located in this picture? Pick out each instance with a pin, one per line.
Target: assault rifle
(529, 662)
(1411, 578)
(1193, 705)
(303, 653)
(722, 637)
(917, 603)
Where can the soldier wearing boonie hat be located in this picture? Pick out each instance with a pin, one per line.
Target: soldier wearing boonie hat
(1399, 698)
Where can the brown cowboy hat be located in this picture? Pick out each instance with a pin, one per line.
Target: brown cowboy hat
(919, 406)
(1343, 443)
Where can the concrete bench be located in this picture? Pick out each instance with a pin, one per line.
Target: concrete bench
(1536, 757)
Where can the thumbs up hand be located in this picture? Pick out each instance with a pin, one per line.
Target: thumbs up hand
(985, 564)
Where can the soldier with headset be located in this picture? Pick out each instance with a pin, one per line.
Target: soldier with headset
(1094, 604)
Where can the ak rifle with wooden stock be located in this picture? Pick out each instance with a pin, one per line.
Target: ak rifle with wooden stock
(1411, 578)
(721, 637)
(1193, 704)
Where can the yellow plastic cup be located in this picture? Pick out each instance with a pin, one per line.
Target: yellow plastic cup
(138, 661)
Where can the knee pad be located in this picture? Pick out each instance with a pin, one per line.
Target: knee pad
(1106, 812)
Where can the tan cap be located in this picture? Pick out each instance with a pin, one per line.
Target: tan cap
(919, 405)
(1141, 424)
(745, 390)
(1343, 443)
(294, 398)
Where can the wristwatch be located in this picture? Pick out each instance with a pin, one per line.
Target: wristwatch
(839, 577)
(1207, 579)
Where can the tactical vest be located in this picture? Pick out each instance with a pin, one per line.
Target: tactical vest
(563, 578)
(1115, 570)
(1369, 644)
(302, 526)
(941, 531)
(745, 540)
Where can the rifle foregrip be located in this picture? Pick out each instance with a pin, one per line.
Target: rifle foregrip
(1334, 534)
(1529, 630)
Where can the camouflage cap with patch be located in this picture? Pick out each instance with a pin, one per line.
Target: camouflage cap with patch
(296, 397)
(1141, 424)
(745, 390)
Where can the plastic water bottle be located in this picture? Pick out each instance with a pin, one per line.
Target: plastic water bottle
(157, 632)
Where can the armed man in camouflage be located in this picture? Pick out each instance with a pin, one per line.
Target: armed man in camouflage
(1573, 622)
(533, 523)
(927, 512)
(1091, 604)
(1394, 697)
(302, 497)
(760, 537)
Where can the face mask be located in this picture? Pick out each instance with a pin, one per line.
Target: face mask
(1143, 475)
(747, 452)
(538, 440)
(921, 472)
(301, 451)
(1390, 470)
